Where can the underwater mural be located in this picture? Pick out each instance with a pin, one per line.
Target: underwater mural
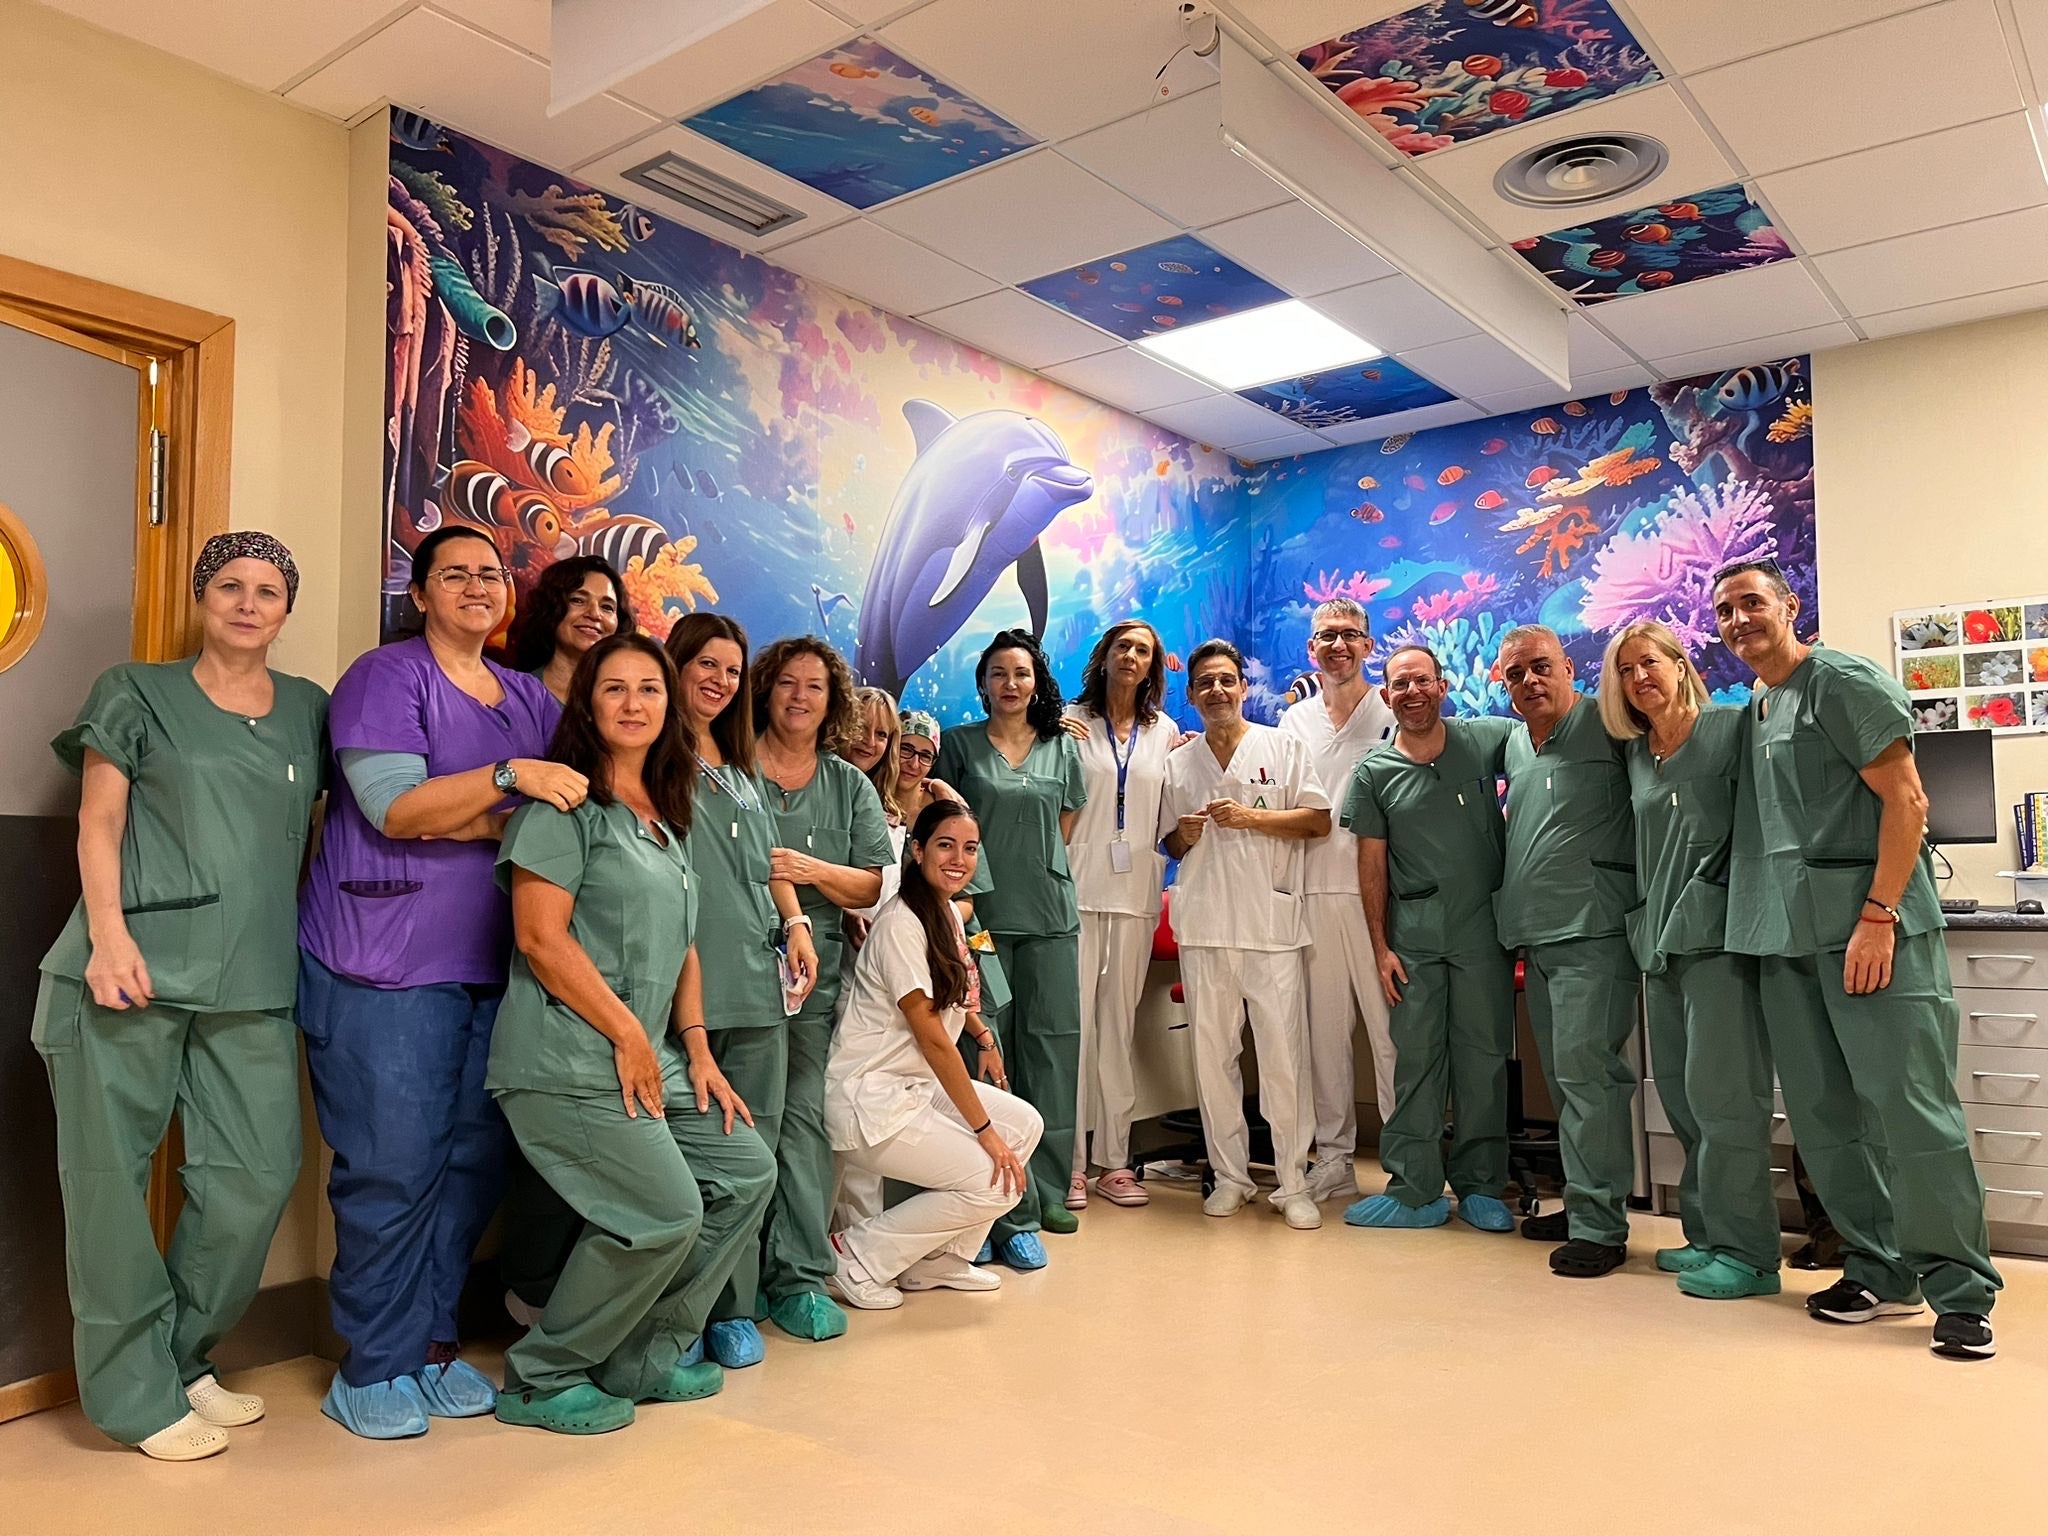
(1704, 235)
(1355, 392)
(1176, 281)
(1451, 71)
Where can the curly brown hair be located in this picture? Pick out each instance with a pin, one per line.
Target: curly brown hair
(841, 720)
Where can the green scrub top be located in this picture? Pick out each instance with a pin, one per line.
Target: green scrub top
(836, 817)
(1445, 839)
(635, 917)
(1019, 809)
(731, 833)
(1805, 822)
(218, 809)
(1685, 823)
(1571, 870)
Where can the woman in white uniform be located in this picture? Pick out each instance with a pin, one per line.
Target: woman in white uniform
(1118, 875)
(899, 1102)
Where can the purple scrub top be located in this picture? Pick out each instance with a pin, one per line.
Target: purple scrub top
(402, 912)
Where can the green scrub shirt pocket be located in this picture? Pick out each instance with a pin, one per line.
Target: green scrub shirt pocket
(60, 1006)
(182, 942)
(1417, 922)
(1616, 884)
(1835, 888)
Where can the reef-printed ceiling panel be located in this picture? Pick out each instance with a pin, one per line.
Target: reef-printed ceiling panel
(1356, 392)
(1452, 71)
(1661, 246)
(1180, 281)
(861, 124)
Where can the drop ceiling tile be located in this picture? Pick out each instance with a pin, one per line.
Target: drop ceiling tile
(1937, 264)
(1978, 306)
(471, 82)
(263, 45)
(1294, 24)
(1476, 365)
(1763, 349)
(1354, 392)
(1694, 36)
(1074, 65)
(1709, 233)
(522, 23)
(1130, 380)
(1297, 248)
(2032, 16)
(1519, 399)
(869, 11)
(1013, 325)
(1939, 178)
(732, 59)
(1394, 314)
(1173, 158)
(1446, 415)
(1634, 376)
(1767, 301)
(1590, 348)
(1694, 162)
(1026, 217)
(1219, 419)
(1285, 446)
(1820, 99)
(819, 211)
(1155, 288)
(860, 257)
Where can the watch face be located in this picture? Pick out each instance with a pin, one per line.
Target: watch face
(504, 777)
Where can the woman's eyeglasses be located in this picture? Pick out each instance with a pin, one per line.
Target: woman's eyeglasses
(459, 578)
(916, 757)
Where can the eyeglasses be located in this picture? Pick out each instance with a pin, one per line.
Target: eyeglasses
(1332, 636)
(458, 578)
(917, 757)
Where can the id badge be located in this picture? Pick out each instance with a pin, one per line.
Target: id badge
(785, 974)
(1120, 857)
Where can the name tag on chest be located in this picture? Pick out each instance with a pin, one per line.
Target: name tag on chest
(1120, 857)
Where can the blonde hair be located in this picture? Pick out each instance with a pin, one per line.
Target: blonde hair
(883, 775)
(1623, 720)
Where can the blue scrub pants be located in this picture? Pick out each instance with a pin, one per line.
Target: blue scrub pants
(420, 1153)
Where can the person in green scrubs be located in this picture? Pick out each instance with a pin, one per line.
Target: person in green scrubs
(172, 987)
(831, 841)
(1020, 772)
(764, 962)
(1568, 886)
(601, 1064)
(1831, 886)
(1425, 808)
(1705, 1015)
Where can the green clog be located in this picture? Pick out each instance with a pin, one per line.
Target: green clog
(1679, 1261)
(687, 1383)
(584, 1409)
(1724, 1279)
(1057, 1218)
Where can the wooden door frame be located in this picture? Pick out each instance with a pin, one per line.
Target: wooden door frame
(197, 351)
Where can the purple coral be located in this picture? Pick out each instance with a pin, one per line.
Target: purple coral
(1666, 571)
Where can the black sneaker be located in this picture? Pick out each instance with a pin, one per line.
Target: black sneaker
(1963, 1336)
(1583, 1260)
(1847, 1302)
(1554, 1228)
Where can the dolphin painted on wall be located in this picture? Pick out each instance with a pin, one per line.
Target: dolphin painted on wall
(981, 491)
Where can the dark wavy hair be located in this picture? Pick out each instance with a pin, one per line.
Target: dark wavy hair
(531, 644)
(733, 730)
(670, 772)
(841, 721)
(1095, 678)
(1046, 706)
(941, 923)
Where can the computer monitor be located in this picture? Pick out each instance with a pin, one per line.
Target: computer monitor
(1962, 800)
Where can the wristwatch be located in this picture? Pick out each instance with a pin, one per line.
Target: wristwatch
(503, 778)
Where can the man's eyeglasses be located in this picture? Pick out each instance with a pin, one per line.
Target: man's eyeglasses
(459, 578)
(1332, 636)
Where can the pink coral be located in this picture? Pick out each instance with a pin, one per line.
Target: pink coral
(1441, 607)
(1666, 570)
(1358, 586)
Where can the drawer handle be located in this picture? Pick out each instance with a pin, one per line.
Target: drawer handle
(2024, 1194)
(2014, 959)
(2024, 1018)
(2018, 1077)
(1992, 1130)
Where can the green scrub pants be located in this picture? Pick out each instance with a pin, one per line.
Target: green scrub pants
(796, 1242)
(756, 1062)
(144, 1323)
(1452, 1030)
(668, 1205)
(1582, 1006)
(1042, 1055)
(1713, 1070)
(1869, 1085)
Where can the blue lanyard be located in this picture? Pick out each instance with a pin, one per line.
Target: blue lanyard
(1123, 766)
(732, 789)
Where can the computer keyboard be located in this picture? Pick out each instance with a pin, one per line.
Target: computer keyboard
(1958, 904)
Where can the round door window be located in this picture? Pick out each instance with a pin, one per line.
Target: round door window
(24, 598)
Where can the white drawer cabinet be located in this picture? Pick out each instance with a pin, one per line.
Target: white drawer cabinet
(1996, 1074)
(1995, 958)
(2002, 1017)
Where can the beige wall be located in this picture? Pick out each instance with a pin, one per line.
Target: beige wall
(1929, 461)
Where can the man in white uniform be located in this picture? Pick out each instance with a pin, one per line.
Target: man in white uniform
(1239, 803)
(1338, 725)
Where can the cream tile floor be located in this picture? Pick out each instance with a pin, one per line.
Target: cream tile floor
(1172, 1374)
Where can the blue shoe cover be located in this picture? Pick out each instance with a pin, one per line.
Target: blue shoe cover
(988, 1251)
(456, 1390)
(1023, 1250)
(1485, 1213)
(383, 1410)
(1386, 1211)
(734, 1343)
(694, 1355)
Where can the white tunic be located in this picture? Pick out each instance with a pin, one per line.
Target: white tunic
(876, 1079)
(1239, 889)
(892, 872)
(1332, 862)
(1098, 886)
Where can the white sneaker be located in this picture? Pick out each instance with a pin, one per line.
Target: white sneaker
(1224, 1200)
(1334, 1179)
(1301, 1213)
(190, 1439)
(519, 1311)
(950, 1272)
(217, 1405)
(857, 1288)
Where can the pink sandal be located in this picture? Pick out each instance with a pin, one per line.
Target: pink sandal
(1077, 1192)
(1121, 1187)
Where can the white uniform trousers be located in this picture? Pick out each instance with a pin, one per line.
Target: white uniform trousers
(1343, 987)
(955, 1204)
(1220, 984)
(859, 1194)
(1115, 950)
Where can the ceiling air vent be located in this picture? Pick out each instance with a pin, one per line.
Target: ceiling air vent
(712, 195)
(1568, 172)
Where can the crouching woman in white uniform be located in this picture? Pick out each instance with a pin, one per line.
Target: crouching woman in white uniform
(898, 1099)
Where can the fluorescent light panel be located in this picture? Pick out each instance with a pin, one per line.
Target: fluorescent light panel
(1258, 346)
